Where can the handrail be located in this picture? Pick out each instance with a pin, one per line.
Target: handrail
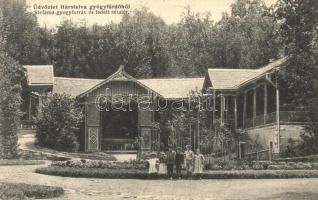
(285, 116)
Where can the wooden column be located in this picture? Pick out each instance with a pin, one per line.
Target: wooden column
(254, 105)
(244, 109)
(30, 106)
(222, 109)
(277, 116)
(198, 135)
(235, 112)
(265, 103)
(214, 106)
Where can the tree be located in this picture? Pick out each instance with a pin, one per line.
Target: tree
(192, 44)
(10, 100)
(23, 34)
(142, 41)
(59, 122)
(298, 27)
(246, 37)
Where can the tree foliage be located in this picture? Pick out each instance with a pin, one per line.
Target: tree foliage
(151, 47)
(23, 32)
(11, 74)
(58, 123)
(298, 20)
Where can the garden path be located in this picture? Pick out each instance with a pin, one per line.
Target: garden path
(119, 189)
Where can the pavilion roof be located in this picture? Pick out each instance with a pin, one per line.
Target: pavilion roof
(174, 88)
(169, 88)
(39, 74)
(74, 86)
(231, 79)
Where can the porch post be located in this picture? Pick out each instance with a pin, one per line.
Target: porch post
(30, 106)
(214, 106)
(265, 102)
(235, 112)
(277, 116)
(222, 108)
(254, 105)
(244, 110)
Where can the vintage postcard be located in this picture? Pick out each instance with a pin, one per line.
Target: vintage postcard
(158, 99)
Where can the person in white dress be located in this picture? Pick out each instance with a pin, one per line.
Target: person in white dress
(163, 164)
(153, 164)
(198, 163)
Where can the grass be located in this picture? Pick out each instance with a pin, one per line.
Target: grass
(27, 191)
(142, 174)
(21, 162)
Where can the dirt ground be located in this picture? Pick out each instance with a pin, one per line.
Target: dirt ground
(86, 188)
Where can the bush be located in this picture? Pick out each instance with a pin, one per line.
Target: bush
(143, 174)
(26, 191)
(133, 164)
(59, 123)
(261, 165)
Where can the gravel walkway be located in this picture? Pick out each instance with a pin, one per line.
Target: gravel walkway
(82, 188)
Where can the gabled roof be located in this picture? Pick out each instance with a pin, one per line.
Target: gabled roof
(174, 88)
(39, 74)
(119, 75)
(169, 88)
(230, 79)
(73, 86)
(222, 79)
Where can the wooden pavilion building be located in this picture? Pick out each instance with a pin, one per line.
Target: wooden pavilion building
(247, 99)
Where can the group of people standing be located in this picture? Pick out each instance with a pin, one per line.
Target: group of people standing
(165, 164)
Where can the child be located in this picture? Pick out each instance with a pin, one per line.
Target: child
(163, 164)
(153, 163)
(198, 164)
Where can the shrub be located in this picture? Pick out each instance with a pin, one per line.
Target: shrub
(26, 191)
(143, 174)
(133, 164)
(261, 165)
(59, 122)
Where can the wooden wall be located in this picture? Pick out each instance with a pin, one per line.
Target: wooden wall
(93, 114)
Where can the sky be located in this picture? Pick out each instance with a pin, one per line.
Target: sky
(169, 10)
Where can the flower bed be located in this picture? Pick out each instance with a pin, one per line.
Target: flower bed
(262, 165)
(133, 164)
(143, 174)
(26, 191)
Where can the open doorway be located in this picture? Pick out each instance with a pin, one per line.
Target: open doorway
(119, 128)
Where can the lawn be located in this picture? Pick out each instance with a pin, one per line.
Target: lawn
(27, 191)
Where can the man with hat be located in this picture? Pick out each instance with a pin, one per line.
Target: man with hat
(188, 160)
(171, 156)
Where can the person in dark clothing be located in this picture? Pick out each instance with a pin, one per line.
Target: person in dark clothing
(171, 156)
(178, 161)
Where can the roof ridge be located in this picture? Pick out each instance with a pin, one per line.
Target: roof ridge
(183, 78)
(37, 65)
(70, 78)
(231, 69)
